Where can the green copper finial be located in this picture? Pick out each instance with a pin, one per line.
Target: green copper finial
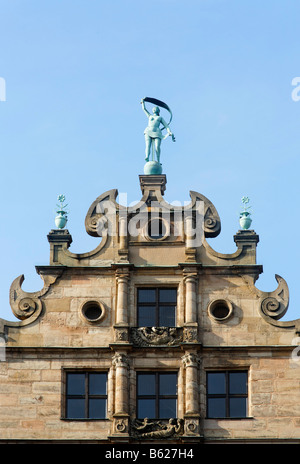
(153, 134)
(245, 200)
(61, 218)
(245, 219)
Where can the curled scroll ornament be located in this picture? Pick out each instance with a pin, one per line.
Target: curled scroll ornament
(275, 304)
(272, 307)
(212, 223)
(27, 305)
(101, 215)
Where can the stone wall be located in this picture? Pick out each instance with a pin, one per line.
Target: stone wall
(31, 394)
(85, 318)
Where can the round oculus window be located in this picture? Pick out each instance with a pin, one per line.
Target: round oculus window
(92, 311)
(220, 310)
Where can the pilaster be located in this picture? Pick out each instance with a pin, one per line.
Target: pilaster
(190, 277)
(120, 363)
(192, 407)
(190, 250)
(122, 317)
(123, 237)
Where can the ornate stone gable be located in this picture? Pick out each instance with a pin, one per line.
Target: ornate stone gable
(85, 321)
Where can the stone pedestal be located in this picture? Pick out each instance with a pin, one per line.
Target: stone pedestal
(153, 186)
(59, 239)
(247, 240)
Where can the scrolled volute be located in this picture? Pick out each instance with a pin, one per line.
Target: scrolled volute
(101, 215)
(275, 304)
(23, 304)
(28, 305)
(271, 307)
(212, 223)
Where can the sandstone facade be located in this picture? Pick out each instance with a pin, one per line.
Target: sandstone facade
(86, 321)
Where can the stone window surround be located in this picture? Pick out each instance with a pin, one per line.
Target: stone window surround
(247, 395)
(157, 396)
(184, 400)
(65, 372)
(156, 303)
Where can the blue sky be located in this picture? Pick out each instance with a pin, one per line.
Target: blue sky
(75, 71)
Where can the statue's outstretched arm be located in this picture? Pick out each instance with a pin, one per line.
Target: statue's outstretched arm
(166, 126)
(144, 108)
(168, 130)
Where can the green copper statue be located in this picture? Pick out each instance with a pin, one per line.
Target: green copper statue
(153, 134)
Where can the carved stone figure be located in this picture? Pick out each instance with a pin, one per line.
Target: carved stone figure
(145, 426)
(147, 336)
(158, 429)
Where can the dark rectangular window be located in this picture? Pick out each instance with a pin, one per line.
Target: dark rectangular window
(227, 394)
(156, 395)
(86, 395)
(156, 307)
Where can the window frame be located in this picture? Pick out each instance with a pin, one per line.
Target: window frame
(157, 396)
(86, 396)
(157, 304)
(227, 395)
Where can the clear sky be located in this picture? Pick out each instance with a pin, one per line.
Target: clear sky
(72, 124)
